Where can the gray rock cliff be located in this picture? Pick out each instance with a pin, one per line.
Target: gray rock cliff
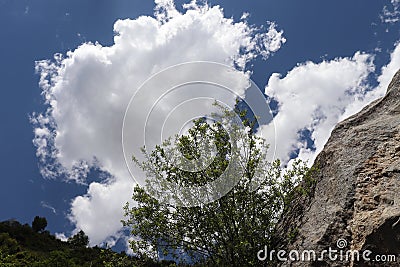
(357, 193)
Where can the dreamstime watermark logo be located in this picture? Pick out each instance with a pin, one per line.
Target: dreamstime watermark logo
(169, 101)
(339, 253)
(341, 243)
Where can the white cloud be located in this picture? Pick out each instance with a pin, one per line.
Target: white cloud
(390, 14)
(316, 97)
(48, 206)
(387, 73)
(389, 70)
(274, 40)
(313, 97)
(92, 212)
(61, 236)
(245, 16)
(88, 90)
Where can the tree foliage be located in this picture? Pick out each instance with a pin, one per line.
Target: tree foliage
(80, 239)
(228, 231)
(39, 224)
(21, 246)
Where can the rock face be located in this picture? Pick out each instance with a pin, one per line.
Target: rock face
(357, 193)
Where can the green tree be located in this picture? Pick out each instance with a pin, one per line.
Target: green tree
(39, 224)
(228, 231)
(80, 239)
(7, 244)
(58, 258)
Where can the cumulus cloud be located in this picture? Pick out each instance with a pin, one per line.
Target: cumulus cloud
(88, 89)
(387, 73)
(314, 97)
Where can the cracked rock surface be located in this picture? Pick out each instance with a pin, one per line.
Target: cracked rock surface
(357, 194)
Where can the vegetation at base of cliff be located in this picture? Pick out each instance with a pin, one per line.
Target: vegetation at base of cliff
(23, 245)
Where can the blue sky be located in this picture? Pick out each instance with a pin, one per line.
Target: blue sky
(32, 31)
